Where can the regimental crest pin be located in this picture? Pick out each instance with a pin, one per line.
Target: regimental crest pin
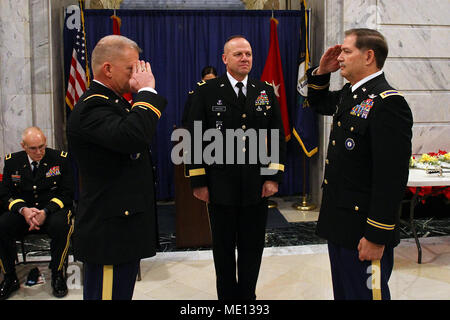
(349, 144)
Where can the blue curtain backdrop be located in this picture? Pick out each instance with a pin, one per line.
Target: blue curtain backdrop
(179, 43)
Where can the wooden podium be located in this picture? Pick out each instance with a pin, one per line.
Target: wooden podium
(192, 220)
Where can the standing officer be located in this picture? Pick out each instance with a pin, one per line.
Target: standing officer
(366, 167)
(110, 139)
(37, 186)
(237, 193)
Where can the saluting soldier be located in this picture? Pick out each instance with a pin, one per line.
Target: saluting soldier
(366, 169)
(234, 185)
(110, 139)
(37, 187)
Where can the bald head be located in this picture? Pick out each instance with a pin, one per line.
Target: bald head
(237, 57)
(109, 48)
(231, 41)
(34, 143)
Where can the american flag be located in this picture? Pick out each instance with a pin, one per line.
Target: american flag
(78, 76)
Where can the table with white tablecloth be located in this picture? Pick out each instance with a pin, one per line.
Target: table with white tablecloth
(419, 178)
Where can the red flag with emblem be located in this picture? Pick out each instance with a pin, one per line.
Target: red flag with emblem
(273, 74)
(117, 22)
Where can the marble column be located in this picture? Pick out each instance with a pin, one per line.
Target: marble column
(15, 73)
(31, 76)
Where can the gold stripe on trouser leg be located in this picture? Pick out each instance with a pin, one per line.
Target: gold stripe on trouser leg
(107, 282)
(66, 248)
(209, 221)
(376, 280)
(2, 267)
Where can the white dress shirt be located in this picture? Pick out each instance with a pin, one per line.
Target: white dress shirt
(233, 82)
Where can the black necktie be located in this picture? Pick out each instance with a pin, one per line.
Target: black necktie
(34, 168)
(241, 96)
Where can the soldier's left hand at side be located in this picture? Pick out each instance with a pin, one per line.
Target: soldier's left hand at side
(269, 189)
(369, 250)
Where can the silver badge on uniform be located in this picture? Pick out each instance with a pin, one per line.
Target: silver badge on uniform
(135, 156)
(219, 125)
(219, 108)
(349, 144)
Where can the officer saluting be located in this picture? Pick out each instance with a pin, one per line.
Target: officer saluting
(236, 191)
(110, 139)
(362, 188)
(37, 188)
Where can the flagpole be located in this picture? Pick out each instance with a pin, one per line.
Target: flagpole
(304, 205)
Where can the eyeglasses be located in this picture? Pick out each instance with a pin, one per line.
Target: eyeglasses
(35, 149)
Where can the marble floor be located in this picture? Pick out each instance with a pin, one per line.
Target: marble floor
(300, 272)
(287, 273)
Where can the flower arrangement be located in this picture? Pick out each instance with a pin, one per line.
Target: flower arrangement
(431, 159)
(445, 157)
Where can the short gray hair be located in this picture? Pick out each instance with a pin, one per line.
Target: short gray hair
(109, 47)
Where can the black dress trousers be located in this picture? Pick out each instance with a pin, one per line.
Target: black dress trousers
(241, 227)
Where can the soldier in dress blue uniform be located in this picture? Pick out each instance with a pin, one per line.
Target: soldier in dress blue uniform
(110, 139)
(237, 193)
(366, 169)
(37, 188)
(208, 72)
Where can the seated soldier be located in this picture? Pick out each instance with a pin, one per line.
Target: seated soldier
(37, 188)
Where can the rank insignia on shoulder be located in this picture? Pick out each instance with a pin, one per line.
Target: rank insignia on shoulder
(191, 92)
(96, 95)
(200, 83)
(8, 156)
(389, 93)
(64, 154)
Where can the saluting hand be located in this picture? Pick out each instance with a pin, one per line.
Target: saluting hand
(141, 76)
(329, 62)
